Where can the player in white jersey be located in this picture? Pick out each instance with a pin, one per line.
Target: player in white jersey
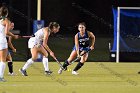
(4, 30)
(38, 44)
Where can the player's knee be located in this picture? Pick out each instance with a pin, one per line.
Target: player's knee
(46, 54)
(83, 60)
(67, 62)
(31, 61)
(34, 57)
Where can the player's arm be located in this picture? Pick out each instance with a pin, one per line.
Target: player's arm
(11, 26)
(7, 28)
(77, 44)
(10, 44)
(45, 40)
(91, 35)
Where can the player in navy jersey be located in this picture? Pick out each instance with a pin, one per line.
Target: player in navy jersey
(82, 44)
(11, 48)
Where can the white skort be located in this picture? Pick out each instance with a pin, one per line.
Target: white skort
(33, 42)
(3, 46)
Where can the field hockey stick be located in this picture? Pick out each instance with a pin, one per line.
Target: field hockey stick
(25, 36)
(80, 56)
(56, 60)
(61, 66)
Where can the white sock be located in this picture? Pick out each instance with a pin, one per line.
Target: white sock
(27, 64)
(2, 69)
(45, 63)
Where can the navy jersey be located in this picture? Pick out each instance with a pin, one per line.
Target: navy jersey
(7, 41)
(83, 41)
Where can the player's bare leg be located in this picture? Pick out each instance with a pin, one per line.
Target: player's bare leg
(3, 54)
(45, 61)
(34, 52)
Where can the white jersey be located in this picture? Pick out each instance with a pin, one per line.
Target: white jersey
(37, 40)
(2, 33)
(39, 35)
(3, 40)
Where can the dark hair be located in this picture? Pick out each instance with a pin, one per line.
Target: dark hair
(82, 23)
(3, 11)
(53, 24)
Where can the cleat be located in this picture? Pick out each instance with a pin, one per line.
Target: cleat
(12, 74)
(23, 72)
(74, 73)
(2, 80)
(139, 72)
(48, 72)
(60, 71)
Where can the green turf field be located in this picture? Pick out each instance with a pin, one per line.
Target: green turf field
(101, 77)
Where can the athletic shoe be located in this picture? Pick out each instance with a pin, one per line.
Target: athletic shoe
(74, 73)
(23, 72)
(12, 74)
(60, 71)
(2, 80)
(48, 72)
(139, 72)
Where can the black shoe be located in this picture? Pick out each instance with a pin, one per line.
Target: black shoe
(2, 80)
(23, 72)
(48, 72)
(139, 72)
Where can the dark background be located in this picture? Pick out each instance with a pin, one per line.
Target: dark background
(96, 13)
